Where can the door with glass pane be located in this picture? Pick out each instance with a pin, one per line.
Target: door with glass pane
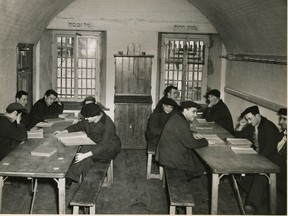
(78, 66)
(184, 64)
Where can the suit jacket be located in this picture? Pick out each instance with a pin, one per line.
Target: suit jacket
(268, 136)
(176, 144)
(220, 114)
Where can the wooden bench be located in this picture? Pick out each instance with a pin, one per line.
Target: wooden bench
(100, 175)
(180, 191)
(151, 149)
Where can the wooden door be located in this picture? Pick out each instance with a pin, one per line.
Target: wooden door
(25, 70)
(131, 123)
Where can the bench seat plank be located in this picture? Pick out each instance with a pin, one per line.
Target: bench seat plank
(88, 190)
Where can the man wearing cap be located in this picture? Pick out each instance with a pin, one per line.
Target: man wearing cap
(176, 143)
(218, 111)
(158, 119)
(47, 107)
(101, 129)
(169, 92)
(264, 136)
(12, 132)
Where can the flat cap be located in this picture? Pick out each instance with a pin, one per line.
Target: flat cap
(282, 111)
(169, 101)
(253, 109)
(214, 92)
(188, 104)
(90, 110)
(16, 107)
(89, 98)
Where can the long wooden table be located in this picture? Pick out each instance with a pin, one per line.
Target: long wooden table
(223, 161)
(20, 162)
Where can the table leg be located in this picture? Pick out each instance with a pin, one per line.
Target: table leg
(1, 186)
(214, 193)
(61, 195)
(273, 194)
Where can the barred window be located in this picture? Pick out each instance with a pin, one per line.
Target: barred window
(78, 66)
(184, 64)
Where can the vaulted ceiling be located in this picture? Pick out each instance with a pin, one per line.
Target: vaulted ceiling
(245, 26)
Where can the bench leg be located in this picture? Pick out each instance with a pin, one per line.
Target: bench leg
(189, 210)
(109, 178)
(75, 210)
(172, 210)
(149, 165)
(92, 210)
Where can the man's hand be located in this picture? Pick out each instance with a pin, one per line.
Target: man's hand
(60, 132)
(81, 156)
(18, 118)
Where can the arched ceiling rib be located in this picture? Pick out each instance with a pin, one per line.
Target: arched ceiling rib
(248, 26)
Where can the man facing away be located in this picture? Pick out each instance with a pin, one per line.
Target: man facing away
(47, 107)
(176, 143)
(12, 132)
(264, 136)
(218, 111)
(169, 92)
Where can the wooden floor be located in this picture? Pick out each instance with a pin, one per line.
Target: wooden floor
(131, 193)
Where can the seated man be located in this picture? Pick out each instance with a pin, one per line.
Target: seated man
(217, 111)
(176, 143)
(21, 97)
(158, 119)
(169, 92)
(101, 129)
(280, 158)
(264, 136)
(12, 132)
(47, 107)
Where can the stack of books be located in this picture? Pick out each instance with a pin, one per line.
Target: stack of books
(75, 138)
(241, 146)
(35, 133)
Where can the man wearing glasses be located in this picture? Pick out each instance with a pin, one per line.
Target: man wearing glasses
(264, 135)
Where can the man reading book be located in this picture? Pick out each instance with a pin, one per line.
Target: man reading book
(101, 129)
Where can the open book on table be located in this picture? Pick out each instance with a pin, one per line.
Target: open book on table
(75, 138)
(213, 139)
(241, 146)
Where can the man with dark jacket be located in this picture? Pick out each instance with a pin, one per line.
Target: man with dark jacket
(169, 92)
(217, 111)
(264, 136)
(176, 143)
(99, 128)
(47, 107)
(158, 119)
(12, 132)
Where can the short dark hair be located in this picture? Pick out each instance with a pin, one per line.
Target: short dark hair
(51, 91)
(20, 93)
(168, 89)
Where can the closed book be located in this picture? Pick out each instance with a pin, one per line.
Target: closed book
(44, 124)
(42, 151)
(32, 134)
(75, 138)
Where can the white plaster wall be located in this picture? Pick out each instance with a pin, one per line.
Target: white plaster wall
(130, 21)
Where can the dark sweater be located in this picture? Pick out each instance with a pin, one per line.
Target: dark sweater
(11, 135)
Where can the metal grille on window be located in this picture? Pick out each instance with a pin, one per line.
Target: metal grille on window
(75, 82)
(184, 60)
